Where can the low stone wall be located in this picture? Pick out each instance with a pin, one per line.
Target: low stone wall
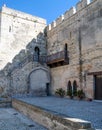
(51, 120)
(5, 103)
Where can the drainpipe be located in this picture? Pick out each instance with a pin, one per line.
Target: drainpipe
(80, 56)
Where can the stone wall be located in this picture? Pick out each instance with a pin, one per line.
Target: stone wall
(17, 30)
(81, 29)
(61, 75)
(4, 84)
(14, 78)
(50, 120)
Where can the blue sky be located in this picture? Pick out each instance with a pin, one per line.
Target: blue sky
(48, 9)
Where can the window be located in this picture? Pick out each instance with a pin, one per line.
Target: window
(69, 88)
(70, 35)
(75, 88)
(66, 50)
(36, 54)
(9, 28)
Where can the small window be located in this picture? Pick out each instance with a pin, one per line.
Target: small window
(69, 88)
(36, 54)
(9, 28)
(70, 35)
(66, 52)
(65, 46)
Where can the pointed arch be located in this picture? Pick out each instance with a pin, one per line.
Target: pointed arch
(75, 88)
(69, 88)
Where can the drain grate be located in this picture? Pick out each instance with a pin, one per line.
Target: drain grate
(31, 125)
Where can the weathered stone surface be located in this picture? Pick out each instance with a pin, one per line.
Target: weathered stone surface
(85, 25)
(50, 119)
(5, 102)
(1, 90)
(17, 30)
(79, 28)
(11, 119)
(39, 78)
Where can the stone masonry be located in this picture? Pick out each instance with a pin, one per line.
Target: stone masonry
(80, 25)
(17, 30)
(24, 36)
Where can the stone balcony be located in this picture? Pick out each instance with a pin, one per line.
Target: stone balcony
(58, 59)
(54, 60)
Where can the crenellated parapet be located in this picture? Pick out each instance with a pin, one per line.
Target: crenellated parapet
(53, 24)
(82, 4)
(71, 12)
(59, 20)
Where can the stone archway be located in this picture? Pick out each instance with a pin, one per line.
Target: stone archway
(39, 79)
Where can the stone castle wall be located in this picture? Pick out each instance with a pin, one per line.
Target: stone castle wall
(17, 30)
(82, 23)
(80, 28)
(14, 78)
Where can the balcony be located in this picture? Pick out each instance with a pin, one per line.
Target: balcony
(58, 59)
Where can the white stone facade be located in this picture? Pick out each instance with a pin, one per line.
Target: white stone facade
(17, 31)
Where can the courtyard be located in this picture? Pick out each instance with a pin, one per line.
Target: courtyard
(86, 110)
(10, 119)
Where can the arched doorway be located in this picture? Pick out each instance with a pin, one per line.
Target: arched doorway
(39, 82)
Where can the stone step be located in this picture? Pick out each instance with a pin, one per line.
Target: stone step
(4, 103)
(49, 119)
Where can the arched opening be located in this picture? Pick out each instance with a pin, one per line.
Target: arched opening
(65, 46)
(39, 82)
(66, 53)
(75, 88)
(36, 54)
(66, 50)
(69, 88)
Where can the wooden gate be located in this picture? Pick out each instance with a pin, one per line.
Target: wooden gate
(98, 87)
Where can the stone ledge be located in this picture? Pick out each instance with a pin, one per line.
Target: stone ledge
(49, 119)
(5, 102)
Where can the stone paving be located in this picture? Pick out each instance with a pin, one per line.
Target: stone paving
(10, 119)
(90, 111)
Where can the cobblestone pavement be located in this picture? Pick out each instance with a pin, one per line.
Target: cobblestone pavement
(90, 111)
(10, 119)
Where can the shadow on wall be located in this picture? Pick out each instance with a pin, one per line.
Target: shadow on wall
(26, 54)
(20, 61)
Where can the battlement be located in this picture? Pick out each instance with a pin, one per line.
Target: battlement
(71, 12)
(82, 4)
(22, 15)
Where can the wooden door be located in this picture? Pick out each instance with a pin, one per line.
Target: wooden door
(98, 87)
